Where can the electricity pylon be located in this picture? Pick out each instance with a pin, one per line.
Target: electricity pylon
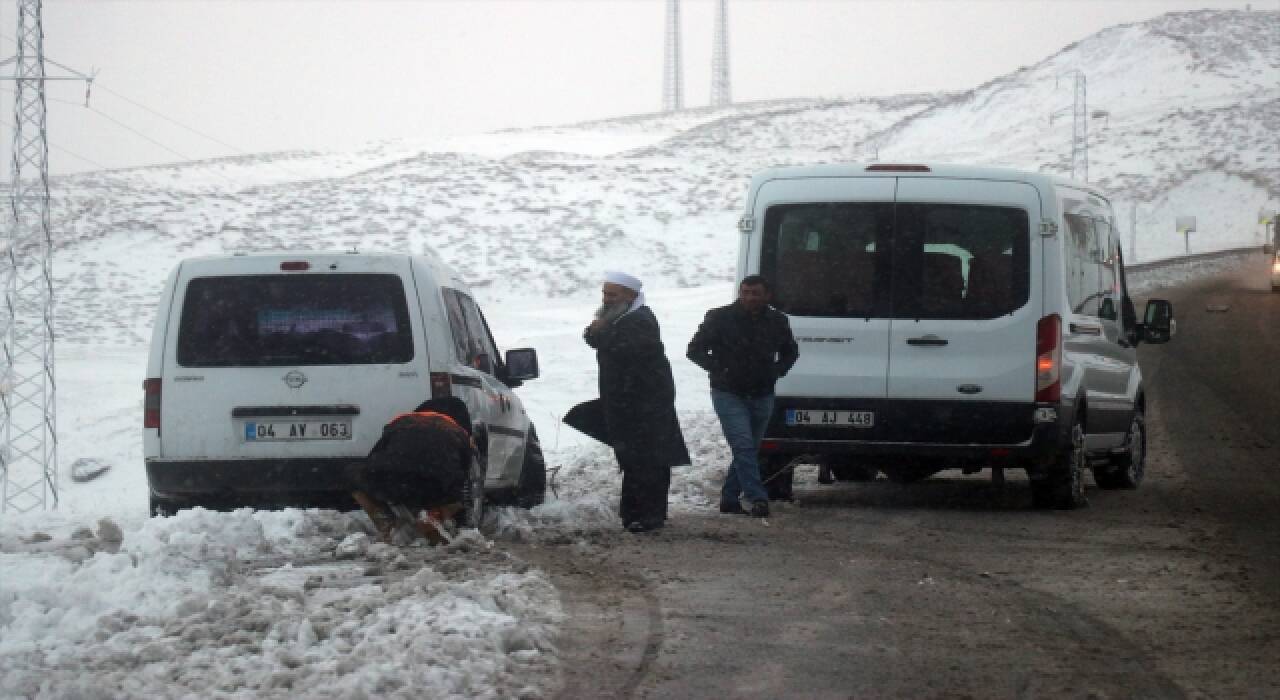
(720, 94)
(673, 67)
(29, 455)
(1079, 127)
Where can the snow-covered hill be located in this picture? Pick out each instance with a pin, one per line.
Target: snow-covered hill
(1185, 111)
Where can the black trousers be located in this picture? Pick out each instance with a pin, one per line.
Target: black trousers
(644, 492)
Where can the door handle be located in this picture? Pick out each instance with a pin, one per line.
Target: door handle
(930, 340)
(1085, 329)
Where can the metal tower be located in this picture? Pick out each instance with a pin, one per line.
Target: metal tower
(720, 94)
(673, 67)
(1079, 127)
(28, 455)
(1080, 131)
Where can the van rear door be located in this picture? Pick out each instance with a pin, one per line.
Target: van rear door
(965, 307)
(826, 245)
(274, 359)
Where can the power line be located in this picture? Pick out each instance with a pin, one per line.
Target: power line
(137, 133)
(173, 121)
(9, 125)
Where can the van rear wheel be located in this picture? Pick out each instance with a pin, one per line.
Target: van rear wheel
(163, 507)
(1063, 487)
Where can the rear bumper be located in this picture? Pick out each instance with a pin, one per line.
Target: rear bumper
(937, 433)
(247, 478)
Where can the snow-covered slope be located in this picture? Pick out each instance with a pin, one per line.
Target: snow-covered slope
(1185, 109)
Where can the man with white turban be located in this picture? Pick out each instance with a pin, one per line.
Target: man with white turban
(637, 414)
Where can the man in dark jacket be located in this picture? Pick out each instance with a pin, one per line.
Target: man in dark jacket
(637, 399)
(420, 465)
(745, 347)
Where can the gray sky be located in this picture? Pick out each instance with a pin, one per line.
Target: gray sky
(260, 75)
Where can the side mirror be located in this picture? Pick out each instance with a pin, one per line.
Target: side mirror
(1268, 249)
(522, 364)
(1158, 326)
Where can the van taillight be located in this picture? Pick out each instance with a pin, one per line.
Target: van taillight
(151, 403)
(1049, 359)
(441, 387)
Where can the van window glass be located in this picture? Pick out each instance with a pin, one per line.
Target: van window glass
(1108, 279)
(960, 261)
(458, 326)
(480, 342)
(1083, 267)
(828, 258)
(290, 320)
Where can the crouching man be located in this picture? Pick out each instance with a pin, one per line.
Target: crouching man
(415, 476)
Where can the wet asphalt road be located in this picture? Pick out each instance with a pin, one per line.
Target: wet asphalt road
(956, 588)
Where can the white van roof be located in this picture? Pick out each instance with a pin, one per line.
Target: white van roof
(232, 263)
(1045, 181)
(296, 254)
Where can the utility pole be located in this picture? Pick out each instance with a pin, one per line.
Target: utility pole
(720, 94)
(673, 67)
(28, 455)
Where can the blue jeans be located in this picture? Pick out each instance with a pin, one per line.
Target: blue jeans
(743, 421)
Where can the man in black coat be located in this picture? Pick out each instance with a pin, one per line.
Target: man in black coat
(637, 400)
(420, 464)
(745, 347)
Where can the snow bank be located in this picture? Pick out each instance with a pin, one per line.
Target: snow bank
(249, 604)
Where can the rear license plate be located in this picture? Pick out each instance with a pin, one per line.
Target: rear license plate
(831, 419)
(276, 431)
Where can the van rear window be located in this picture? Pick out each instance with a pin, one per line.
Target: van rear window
(289, 320)
(905, 260)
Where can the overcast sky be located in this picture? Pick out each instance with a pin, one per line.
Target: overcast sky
(186, 79)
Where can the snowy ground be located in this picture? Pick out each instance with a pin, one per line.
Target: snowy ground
(98, 600)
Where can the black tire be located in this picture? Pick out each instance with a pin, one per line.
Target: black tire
(1126, 471)
(532, 488)
(845, 469)
(908, 475)
(473, 495)
(1062, 488)
(163, 507)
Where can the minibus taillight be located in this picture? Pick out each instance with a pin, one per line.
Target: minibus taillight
(441, 387)
(1049, 359)
(151, 403)
(295, 266)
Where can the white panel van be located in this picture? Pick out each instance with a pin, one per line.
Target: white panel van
(270, 373)
(952, 317)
